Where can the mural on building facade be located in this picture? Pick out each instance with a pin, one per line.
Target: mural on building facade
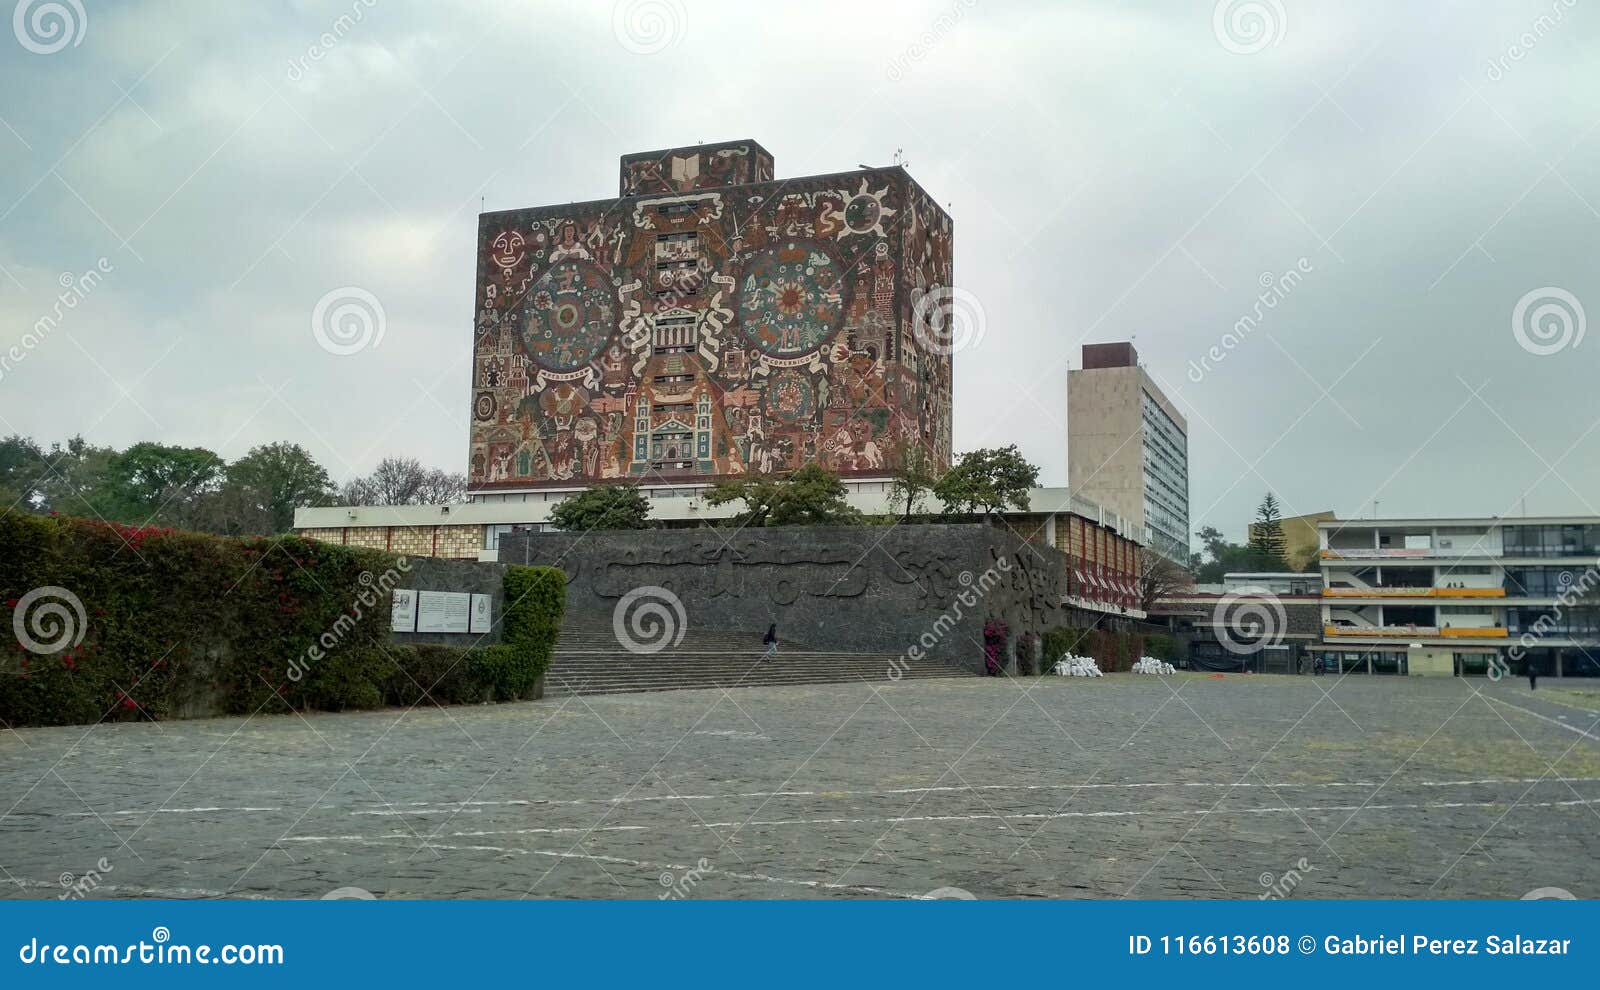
(703, 330)
(700, 167)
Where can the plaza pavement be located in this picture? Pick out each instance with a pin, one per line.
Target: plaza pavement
(1189, 787)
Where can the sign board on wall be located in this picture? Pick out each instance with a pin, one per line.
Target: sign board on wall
(443, 611)
(404, 616)
(482, 614)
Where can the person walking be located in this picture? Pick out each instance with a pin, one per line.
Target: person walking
(770, 640)
(1533, 676)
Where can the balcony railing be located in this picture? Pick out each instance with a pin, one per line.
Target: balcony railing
(1392, 631)
(1413, 592)
(1411, 632)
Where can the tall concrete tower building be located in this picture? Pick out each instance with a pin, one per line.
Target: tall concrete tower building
(1128, 446)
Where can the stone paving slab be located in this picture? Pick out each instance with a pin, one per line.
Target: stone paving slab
(1128, 786)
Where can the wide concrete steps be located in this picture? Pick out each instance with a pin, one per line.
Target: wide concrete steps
(619, 672)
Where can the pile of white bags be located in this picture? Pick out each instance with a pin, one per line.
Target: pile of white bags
(1150, 665)
(1073, 665)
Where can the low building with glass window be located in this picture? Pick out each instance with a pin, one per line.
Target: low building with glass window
(1458, 596)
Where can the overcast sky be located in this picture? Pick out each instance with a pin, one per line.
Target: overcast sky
(1114, 170)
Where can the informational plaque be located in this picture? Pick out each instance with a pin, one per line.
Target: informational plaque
(405, 611)
(443, 611)
(482, 614)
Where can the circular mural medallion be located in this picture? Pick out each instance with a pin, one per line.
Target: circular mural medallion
(483, 406)
(788, 397)
(568, 316)
(791, 301)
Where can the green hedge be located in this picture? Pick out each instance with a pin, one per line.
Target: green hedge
(178, 624)
(1112, 652)
(1160, 646)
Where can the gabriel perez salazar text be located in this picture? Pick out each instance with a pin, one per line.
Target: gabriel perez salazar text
(1424, 945)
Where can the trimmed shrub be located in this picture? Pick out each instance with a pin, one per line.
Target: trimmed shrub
(535, 599)
(155, 623)
(1026, 644)
(1061, 641)
(1160, 646)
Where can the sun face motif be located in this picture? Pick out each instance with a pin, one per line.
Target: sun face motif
(865, 212)
(791, 295)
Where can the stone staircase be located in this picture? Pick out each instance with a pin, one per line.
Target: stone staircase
(589, 660)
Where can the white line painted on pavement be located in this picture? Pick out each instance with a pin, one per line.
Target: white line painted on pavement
(1569, 728)
(1019, 816)
(431, 808)
(401, 841)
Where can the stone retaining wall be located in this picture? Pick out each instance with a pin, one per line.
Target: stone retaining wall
(862, 589)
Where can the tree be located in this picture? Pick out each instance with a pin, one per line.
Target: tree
(147, 479)
(603, 507)
(77, 480)
(989, 480)
(281, 477)
(441, 487)
(404, 481)
(1266, 534)
(1159, 578)
(811, 496)
(23, 470)
(232, 510)
(1224, 557)
(915, 474)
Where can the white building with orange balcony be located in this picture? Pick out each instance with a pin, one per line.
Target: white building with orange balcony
(1463, 596)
